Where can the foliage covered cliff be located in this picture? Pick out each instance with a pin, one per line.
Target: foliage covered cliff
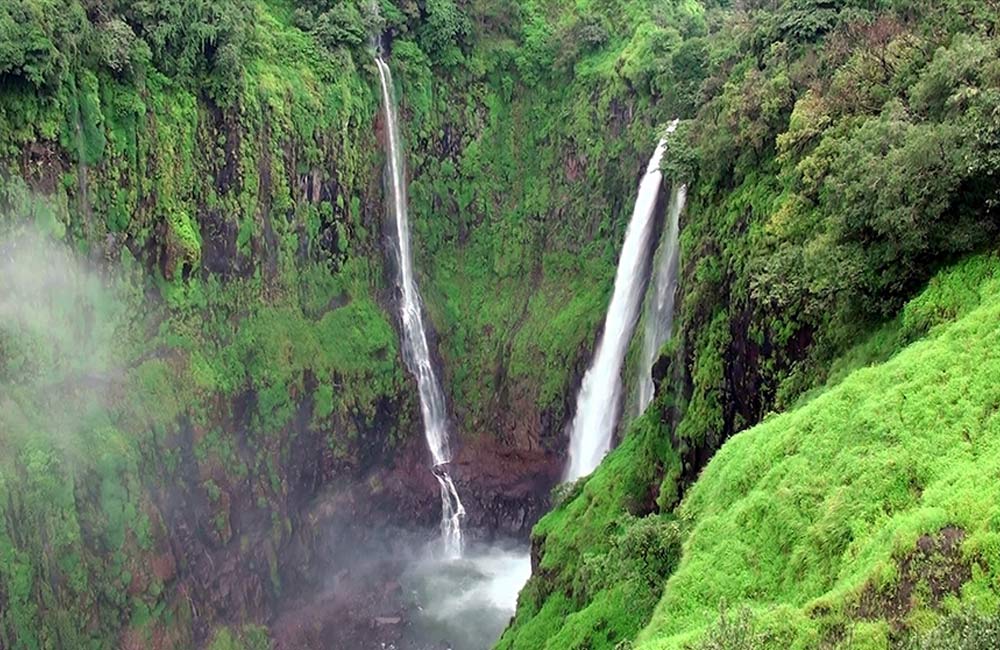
(205, 409)
(213, 175)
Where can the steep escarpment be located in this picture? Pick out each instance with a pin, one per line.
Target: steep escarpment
(239, 358)
(206, 413)
(525, 157)
(526, 147)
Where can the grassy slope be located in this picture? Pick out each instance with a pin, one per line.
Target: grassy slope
(799, 515)
(795, 517)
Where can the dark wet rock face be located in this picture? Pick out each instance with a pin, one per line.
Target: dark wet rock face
(353, 598)
(507, 489)
(932, 571)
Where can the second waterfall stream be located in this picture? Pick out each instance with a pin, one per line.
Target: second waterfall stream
(416, 351)
(659, 316)
(598, 403)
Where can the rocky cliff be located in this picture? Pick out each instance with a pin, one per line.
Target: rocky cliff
(207, 413)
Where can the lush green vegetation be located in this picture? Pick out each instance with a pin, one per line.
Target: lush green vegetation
(185, 189)
(838, 154)
(815, 517)
(849, 520)
(203, 179)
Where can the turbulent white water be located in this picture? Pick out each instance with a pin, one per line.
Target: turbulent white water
(466, 603)
(415, 349)
(598, 404)
(659, 316)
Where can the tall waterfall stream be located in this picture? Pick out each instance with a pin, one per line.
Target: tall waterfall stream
(415, 349)
(659, 314)
(466, 598)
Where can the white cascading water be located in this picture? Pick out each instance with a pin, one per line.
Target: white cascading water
(659, 317)
(415, 349)
(467, 602)
(598, 404)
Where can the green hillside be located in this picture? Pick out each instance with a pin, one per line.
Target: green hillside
(857, 519)
(866, 509)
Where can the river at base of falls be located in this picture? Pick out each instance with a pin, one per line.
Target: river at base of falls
(464, 603)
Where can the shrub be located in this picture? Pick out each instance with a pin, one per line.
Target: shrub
(116, 43)
(966, 630)
(341, 25)
(734, 631)
(646, 552)
(32, 34)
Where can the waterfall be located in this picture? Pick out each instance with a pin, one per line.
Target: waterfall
(659, 316)
(598, 403)
(416, 352)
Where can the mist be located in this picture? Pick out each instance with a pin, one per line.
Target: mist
(395, 590)
(61, 340)
(466, 602)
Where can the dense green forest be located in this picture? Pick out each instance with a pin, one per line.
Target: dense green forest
(203, 392)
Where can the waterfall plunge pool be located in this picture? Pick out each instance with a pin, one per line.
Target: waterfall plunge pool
(464, 603)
